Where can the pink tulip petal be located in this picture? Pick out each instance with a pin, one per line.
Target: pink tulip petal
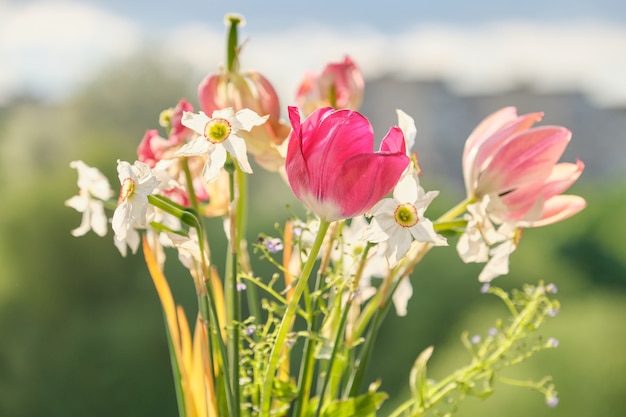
(365, 179)
(393, 141)
(331, 165)
(562, 177)
(489, 146)
(559, 208)
(526, 158)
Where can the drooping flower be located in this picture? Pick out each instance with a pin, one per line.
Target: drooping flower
(249, 90)
(513, 180)
(507, 158)
(93, 188)
(331, 166)
(340, 86)
(217, 135)
(137, 182)
(400, 219)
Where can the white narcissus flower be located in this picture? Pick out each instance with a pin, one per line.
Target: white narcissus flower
(400, 220)
(137, 182)
(218, 135)
(93, 187)
(487, 239)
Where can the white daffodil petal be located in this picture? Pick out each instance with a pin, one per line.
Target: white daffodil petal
(407, 125)
(401, 297)
(120, 216)
(195, 121)
(236, 146)
(425, 232)
(197, 147)
(499, 262)
(98, 218)
(406, 190)
(248, 119)
(216, 160)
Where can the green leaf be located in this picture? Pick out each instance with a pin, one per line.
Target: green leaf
(417, 378)
(363, 406)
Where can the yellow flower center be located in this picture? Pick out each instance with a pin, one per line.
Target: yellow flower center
(406, 215)
(217, 130)
(127, 189)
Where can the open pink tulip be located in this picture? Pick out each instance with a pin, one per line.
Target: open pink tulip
(331, 166)
(506, 157)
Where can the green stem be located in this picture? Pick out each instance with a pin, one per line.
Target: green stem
(232, 45)
(242, 227)
(338, 335)
(305, 377)
(233, 298)
(287, 319)
(191, 192)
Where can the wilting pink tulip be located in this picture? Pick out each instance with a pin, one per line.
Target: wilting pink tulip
(248, 90)
(506, 157)
(340, 85)
(331, 166)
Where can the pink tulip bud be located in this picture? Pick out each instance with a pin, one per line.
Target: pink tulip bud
(252, 91)
(340, 85)
(331, 166)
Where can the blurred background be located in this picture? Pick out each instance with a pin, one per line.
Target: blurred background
(81, 331)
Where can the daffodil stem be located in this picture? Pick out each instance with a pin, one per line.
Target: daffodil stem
(233, 299)
(455, 212)
(287, 320)
(337, 342)
(358, 371)
(191, 192)
(242, 226)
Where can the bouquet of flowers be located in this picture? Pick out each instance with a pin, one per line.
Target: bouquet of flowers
(298, 342)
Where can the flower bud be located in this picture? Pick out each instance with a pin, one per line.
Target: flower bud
(340, 86)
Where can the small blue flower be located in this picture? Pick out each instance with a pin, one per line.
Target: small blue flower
(551, 288)
(273, 244)
(552, 401)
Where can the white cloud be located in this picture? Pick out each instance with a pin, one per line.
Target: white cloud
(585, 56)
(49, 47)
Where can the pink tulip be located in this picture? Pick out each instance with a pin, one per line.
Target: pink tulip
(178, 132)
(331, 166)
(505, 156)
(248, 90)
(340, 85)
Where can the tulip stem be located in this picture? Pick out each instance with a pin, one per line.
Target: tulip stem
(285, 324)
(232, 45)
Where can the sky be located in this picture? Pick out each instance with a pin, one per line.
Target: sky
(49, 48)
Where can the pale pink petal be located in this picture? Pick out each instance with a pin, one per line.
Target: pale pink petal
(488, 126)
(562, 177)
(528, 157)
(480, 157)
(559, 208)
